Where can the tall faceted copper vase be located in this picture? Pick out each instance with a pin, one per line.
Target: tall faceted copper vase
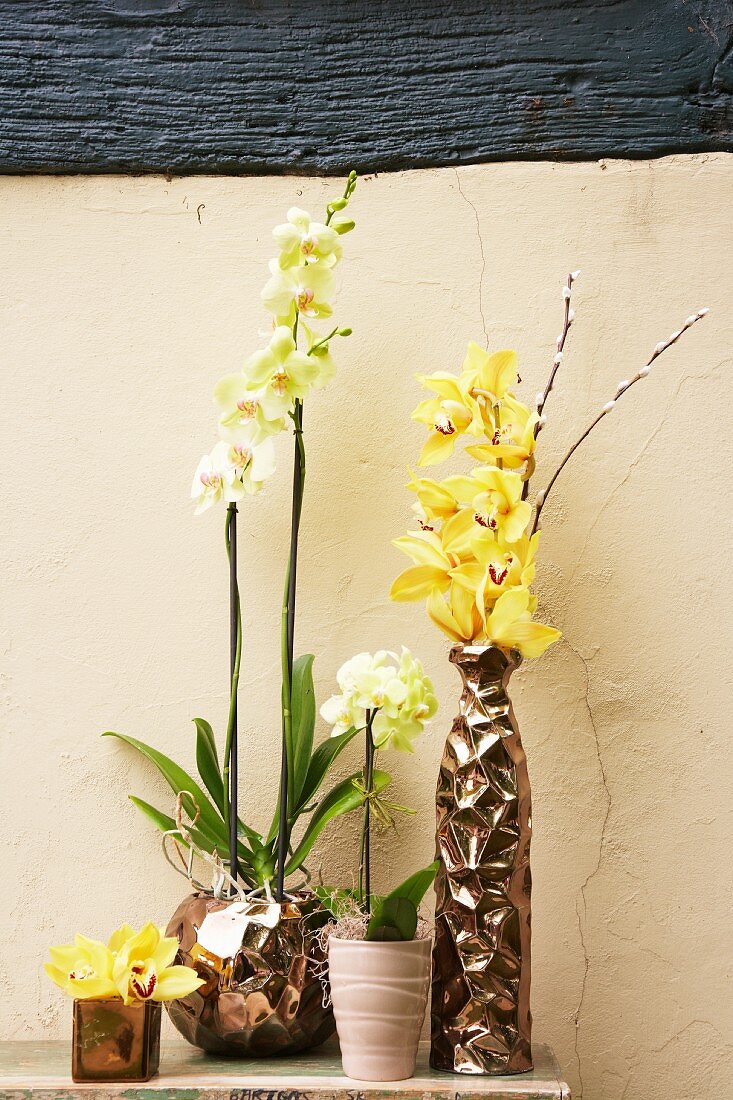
(481, 1021)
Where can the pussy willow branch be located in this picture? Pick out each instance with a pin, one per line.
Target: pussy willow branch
(560, 344)
(610, 405)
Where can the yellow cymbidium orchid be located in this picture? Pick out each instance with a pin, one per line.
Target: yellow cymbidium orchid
(83, 969)
(142, 969)
(506, 565)
(133, 966)
(492, 372)
(441, 560)
(513, 440)
(441, 499)
(499, 505)
(510, 626)
(448, 415)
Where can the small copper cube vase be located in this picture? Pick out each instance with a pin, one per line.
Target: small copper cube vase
(115, 1042)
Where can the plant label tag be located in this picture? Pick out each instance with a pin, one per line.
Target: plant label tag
(221, 932)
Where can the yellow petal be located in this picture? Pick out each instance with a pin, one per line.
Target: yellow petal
(458, 531)
(442, 383)
(532, 639)
(98, 954)
(120, 937)
(437, 448)
(468, 575)
(516, 522)
(423, 547)
(462, 605)
(60, 977)
(175, 982)
(65, 956)
(440, 613)
(165, 952)
(507, 610)
(92, 989)
(417, 583)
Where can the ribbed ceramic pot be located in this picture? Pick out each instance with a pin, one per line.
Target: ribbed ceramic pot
(481, 1020)
(261, 964)
(379, 993)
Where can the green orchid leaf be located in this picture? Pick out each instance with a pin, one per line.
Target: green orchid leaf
(416, 886)
(320, 762)
(343, 798)
(166, 824)
(179, 781)
(201, 839)
(303, 706)
(208, 763)
(394, 918)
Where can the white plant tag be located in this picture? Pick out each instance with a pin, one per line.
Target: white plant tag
(221, 932)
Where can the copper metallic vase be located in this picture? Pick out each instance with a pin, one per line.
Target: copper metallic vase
(260, 962)
(115, 1042)
(481, 1021)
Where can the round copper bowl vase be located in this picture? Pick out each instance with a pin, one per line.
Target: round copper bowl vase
(260, 962)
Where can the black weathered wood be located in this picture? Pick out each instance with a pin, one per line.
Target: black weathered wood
(232, 86)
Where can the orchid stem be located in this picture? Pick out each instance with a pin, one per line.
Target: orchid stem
(287, 645)
(365, 885)
(231, 747)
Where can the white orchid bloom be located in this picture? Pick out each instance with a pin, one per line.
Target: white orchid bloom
(216, 479)
(302, 241)
(396, 688)
(298, 291)
(280, 372)
(249, 416)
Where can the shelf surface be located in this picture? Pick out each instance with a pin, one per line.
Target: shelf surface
(41, 1070)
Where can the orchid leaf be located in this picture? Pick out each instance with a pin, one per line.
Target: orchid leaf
(208, 763)
(180, 781)
(416, 886)
(395, 918)
(343, 798)
(303, 707)
(320, 762)
(166, 824)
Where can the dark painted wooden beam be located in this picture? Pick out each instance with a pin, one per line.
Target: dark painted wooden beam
(242, 86)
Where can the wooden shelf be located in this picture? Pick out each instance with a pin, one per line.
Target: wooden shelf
(41, 1070)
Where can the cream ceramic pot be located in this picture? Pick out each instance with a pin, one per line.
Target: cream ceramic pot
(379, 993)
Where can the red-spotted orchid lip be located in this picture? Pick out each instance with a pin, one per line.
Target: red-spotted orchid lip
(144, 989)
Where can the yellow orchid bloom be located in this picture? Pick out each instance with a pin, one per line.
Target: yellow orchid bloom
(513, 440)
(441, 499)
(441, 559)
(499, 506)
(83, 969)
(458, 616)
(504, 565)
(510, 626)
(142, 969)
(493, 373)
(448, 415)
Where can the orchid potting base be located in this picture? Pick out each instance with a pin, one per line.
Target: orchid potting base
(41, 1071)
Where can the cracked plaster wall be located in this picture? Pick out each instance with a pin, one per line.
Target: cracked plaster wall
(123, 300)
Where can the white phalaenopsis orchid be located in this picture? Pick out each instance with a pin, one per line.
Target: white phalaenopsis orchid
(280, 372)
(298, 292)
(231, 471)
(392, 690)
(303, 241)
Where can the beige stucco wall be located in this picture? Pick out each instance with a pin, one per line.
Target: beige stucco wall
(123, 301)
